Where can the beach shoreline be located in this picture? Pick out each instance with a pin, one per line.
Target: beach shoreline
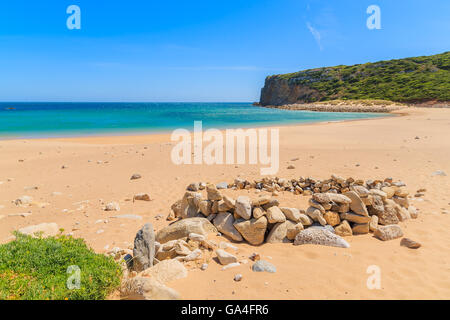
(165, 135)
(65, 120)
(71, 179)
(365, 106)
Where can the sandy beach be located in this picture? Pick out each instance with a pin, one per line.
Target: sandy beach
(97, 170)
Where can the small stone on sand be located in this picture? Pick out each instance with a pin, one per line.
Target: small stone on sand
(406, 242)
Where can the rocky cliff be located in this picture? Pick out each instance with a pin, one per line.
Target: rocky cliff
(417, 79)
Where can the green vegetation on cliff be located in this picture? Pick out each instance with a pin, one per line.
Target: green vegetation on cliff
(417, 79)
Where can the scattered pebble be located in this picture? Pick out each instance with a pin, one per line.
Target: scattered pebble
(439, 173)
(23, 200)
(112, 206)
(142, 197)
(135, 176)
(222, 185)
(225, 257)
(31, 188)
(23, 215)
(406, 242)
(262, 265)
(227, 245)
(255, 257)
(231, 265)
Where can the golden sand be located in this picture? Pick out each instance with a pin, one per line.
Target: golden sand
(99, 168)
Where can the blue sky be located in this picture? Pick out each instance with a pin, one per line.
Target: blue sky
(144, 50)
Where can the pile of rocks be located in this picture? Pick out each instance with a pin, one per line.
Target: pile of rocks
(337, 207)
(158, 258)
(302, 185)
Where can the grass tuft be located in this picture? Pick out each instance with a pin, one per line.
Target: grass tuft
(36, 269)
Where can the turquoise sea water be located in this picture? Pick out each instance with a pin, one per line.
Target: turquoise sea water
(25, 120)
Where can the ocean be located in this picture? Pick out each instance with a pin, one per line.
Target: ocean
(58, 119)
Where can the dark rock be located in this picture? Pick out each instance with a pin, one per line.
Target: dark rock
(144, 248)
(406, 242)
(135, 176)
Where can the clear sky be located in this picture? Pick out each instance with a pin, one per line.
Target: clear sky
(216, 50)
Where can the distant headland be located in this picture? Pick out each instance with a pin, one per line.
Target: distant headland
(421, 80)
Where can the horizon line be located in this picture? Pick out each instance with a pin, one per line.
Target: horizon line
(43, 101)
